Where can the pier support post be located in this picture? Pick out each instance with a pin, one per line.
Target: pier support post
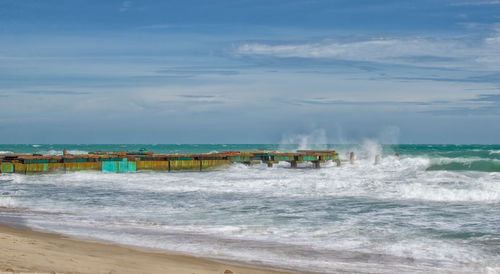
(269, 164)
(316, 164)
(351, 158)
(337, 161)
(293, 164)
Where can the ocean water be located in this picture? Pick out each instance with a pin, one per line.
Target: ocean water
(435, 209)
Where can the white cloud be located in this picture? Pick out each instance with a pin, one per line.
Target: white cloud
(477, 3)
(437, 52)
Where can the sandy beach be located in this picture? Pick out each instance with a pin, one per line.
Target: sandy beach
(25, 251)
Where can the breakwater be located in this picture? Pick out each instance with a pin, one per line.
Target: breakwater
(137, 161)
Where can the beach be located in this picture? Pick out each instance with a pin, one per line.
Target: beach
(26, 251)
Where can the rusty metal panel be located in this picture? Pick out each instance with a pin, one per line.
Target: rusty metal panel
(152, 165)
(19, 168)
(44, 167)
(239, 159)
(6, 167)
(35, 168)
(184, 165)
(52, 167)
(83, 166)
(214, 164)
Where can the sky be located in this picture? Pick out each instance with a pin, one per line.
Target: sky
(259, 71)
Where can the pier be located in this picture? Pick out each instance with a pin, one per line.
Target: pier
(143, 161)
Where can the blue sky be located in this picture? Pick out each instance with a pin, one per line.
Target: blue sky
(249, 71)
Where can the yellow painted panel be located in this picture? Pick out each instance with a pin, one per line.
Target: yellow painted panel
(19, 168)
(152, 165)
(214, 164)
(184, 165)
(83, 166)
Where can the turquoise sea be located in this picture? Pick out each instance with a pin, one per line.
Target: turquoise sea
(436, 208)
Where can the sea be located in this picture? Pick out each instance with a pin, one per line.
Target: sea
(435, 208)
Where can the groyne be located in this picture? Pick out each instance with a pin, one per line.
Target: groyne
(139, 161)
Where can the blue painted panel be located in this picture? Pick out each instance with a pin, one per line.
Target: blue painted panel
(123, 166)
(119, 166)
(110, 166)
(132, 167)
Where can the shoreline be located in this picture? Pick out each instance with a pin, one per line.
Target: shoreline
(27, 251)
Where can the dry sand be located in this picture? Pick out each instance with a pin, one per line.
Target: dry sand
(29, 251)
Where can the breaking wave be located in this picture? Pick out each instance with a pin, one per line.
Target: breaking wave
(8, 202)
(60, 152)
(465, 164)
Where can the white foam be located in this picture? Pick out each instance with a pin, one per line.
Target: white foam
(281, 211)
(8, 202)
(438, 193)
(5, 151)
(60, 152)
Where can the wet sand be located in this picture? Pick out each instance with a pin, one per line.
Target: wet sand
(23, 250)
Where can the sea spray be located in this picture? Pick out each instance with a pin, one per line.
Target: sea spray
(370, 149)
(316, 139)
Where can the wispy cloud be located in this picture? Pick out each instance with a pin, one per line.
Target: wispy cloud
(477, 3)
(368, 50)
(193, 71)
(482, 104)
(364, 103)
(55, 92)
(125, 6)
(451, 52)
(196, 96)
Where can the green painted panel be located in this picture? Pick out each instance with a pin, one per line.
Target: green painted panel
(240, 159)
(37, 167)
(7, 167)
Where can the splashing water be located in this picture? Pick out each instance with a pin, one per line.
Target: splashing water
(315, 140)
